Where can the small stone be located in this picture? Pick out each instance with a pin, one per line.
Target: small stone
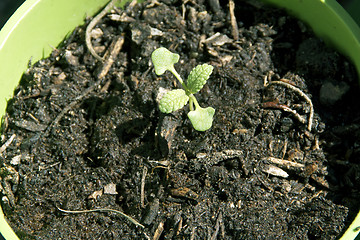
(71, 59)
(155, 32)
(15, 160)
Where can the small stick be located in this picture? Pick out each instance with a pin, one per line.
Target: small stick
(285, 163)
(115, 48)
(142, 188)
(7, 143)
(180, 226)
(217, 227)
(302, 94)
(92, 24)
(193, 232)
(268, 78)
(284, 148)
(104, 210)
(235, 29)
(285, 109)
(158, 231)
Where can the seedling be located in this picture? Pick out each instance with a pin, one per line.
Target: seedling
(201, 118)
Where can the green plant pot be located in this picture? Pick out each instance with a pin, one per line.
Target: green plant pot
(39, 25)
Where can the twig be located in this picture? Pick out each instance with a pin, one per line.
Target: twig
(302, 94)
(284, 148)
(104, 210)
(193, 232)
(7, 143)
(180, 226)
(115, 48)
(92, 24)
(288, 164)
(285, 109)
(316, 195)
(285, 163)
(158, 231)
(142, 188)
(235, 29)
(217, 227)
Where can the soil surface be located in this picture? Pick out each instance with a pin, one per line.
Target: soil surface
(280, 162)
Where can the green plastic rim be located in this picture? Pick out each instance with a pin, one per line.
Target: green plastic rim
(40, 25)
(330, 22)
(33, 31)
(31, 34)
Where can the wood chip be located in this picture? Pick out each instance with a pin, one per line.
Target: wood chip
(16, 160)
(275, 171)
(184, 192)
(218, 39)
(158, 231)
(96, 194)
(285, 163)
(7, 143)
(30, 126)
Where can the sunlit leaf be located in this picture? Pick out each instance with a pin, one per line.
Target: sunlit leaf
(163, 60)
(198, 77)
(202, 118)
(173, 100)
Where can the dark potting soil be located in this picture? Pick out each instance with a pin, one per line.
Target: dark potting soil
(79, 135)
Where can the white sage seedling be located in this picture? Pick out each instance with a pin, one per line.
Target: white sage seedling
(201, 118)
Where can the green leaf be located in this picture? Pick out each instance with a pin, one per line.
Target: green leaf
(173, 100)
(202, 118)
(198, 77)
(163, 60)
